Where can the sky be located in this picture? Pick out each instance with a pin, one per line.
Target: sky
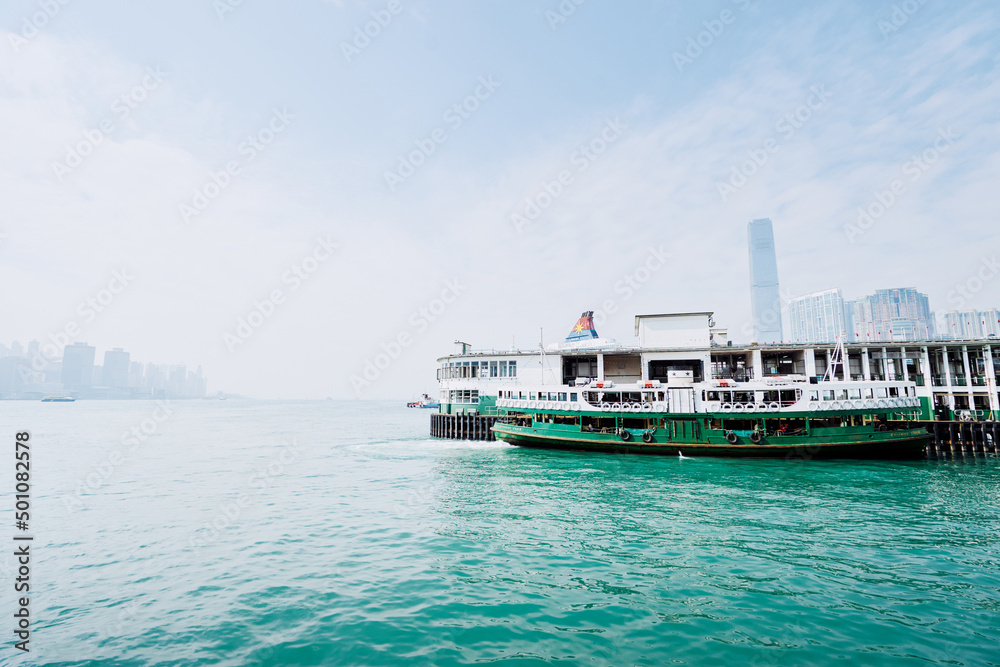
(283, 192)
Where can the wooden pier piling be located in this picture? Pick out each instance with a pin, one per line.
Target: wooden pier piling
(964, 438)
(462, 427)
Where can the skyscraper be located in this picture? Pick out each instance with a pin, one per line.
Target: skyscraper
(78, 366)
(817, 317)
(115, 371)
(991, 322)
(971, 324)
(902, 314)
(765, 297)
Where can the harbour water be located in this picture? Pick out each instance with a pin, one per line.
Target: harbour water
(338, 533)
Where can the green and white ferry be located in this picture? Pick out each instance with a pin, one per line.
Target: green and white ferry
(688, 394)
(782, 417)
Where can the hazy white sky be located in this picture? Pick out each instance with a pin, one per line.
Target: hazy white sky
(474, 171)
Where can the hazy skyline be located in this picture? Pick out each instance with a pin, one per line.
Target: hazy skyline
(271, 193)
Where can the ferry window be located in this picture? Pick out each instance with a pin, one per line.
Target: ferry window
(531, 396)
(512, 369)
(828, 394)
(855, 394)
(787, 396)
(503, 369)
(562, 396)
(841, 394)
(893, 392)
(813, 395)
(493, 369)
(881, 392)
(475, 369)
(869, 393)
(572, 397)
(552, 395)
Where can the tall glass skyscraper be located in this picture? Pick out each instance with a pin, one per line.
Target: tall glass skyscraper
(817, 317)
(765, 297)
(902, 314)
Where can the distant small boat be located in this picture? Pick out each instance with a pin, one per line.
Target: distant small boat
(58, 399)
(424, 402)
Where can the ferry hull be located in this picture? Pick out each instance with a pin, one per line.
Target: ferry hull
(910, 444)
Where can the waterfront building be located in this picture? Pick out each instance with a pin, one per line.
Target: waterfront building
(78, 366)
(891, 315)
(955, 380)
(817, 317)
(116, 369)
(971, 324)
(765, 296)
(991, 323)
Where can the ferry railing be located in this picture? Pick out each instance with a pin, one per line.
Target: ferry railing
(978, 380)
(959, 380)
(939, 380)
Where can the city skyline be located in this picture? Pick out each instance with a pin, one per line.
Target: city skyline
(27, 373)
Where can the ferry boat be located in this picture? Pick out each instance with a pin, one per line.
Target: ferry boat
(424, 401)
(686, 390)
(780, 418)
(58, 399)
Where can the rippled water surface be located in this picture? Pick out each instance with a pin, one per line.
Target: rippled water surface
(329, 532)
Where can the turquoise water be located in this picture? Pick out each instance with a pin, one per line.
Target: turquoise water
(344, 536)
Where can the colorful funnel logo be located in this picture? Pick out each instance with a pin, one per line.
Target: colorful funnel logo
(584, 329)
